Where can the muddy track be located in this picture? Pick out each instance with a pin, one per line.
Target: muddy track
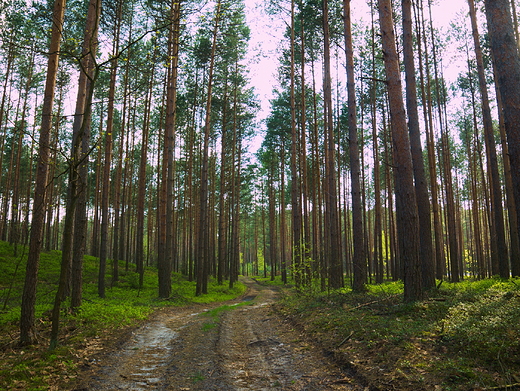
(247, 348)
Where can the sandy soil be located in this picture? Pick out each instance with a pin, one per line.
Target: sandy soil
(249, 347)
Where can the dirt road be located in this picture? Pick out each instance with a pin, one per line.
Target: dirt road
(245, 347)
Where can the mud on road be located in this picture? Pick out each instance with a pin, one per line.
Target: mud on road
(248, 347)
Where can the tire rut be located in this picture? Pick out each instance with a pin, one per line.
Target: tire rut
(249, 348)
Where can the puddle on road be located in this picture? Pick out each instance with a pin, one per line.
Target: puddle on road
(141, 365)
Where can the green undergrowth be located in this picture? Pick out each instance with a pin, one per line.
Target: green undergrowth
(97, 323)
(462, 336)
(215, 314)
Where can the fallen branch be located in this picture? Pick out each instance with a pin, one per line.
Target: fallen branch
(345, 340)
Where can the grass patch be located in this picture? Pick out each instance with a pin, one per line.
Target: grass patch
(215, 314)
(86, 331)
(462, 336)
(197, 377)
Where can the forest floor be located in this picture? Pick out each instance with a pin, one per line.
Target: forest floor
(241, 345)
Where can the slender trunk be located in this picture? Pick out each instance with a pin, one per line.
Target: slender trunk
(296, 213)
(283, 226)
(203, 234)
(75, 228)
(14, 237)
(27, 335)
(421, 187)
(453, 239)
(165, 266)
(223, 204)
(335, 272)
(496, 199)
(94, 243)
(107, 164)
(406, 204)
(141, 186)
(358, 261)
(81, 129)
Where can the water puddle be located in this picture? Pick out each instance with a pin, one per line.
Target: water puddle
(141, 365)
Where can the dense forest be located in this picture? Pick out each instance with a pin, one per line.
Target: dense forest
(126, 131)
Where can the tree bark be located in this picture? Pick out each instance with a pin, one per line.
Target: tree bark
(407, 215)
(332, 240)
(496, 199)
(27, 335)
(506, 58)
(81, 128)
(166, 260)
(296, 211)
(358, 261)
(203, 235)
(421, 187)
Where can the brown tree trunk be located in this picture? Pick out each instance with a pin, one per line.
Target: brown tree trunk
(283, 226)
(496, 199)
(439, 259)
(407, 215)
(296, 210)
(359, 261)
(421, 187)
(27, 335)
(72, 234)
(273, 246)
(504, 49)
(453, 239)
(94, 243)
(203, 234)
(166, 259)
(141, 186)
(332, 239)
(107, 164)
(14, 237)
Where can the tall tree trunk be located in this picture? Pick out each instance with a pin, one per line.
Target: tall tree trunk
(296, 210)
(107, 164)
(335, 272)
(317, 211)
(439, 259)
(14, 237)
(141, 186)
(303, 166)
(407, 215)
(496, 199)
(94, 242)
(421, 187)
(506, 58)
(283, 225)
(224, 217)
(72, 234)
(165, 265)
(4, 117)
(273, 248)
(27, 335)
(475, 208)
(378, 223)
(235, 197)
(453, 239)
(203, 235)
(358, 261)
